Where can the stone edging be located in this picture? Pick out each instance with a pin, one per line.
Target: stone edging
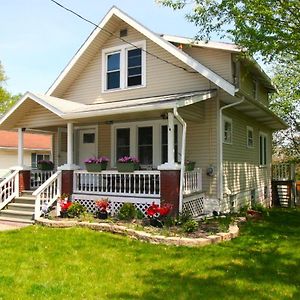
(145, 236)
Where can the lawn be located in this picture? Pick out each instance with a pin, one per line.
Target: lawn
(44, 263)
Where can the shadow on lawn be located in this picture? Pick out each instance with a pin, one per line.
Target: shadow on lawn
(263, 263)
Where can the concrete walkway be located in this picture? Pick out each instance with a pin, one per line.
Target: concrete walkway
(5, 225)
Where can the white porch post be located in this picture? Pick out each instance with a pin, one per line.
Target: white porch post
(171, 150)
(20, 147)
(70, 143)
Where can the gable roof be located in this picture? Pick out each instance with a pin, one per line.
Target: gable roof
(32, 141)
(182, 56)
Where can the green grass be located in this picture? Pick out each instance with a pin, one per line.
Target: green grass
(45, 263)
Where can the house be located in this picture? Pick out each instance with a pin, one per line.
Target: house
(37, 147)
(164, 99)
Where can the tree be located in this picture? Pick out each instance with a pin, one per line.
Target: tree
(6, 99)
(267, 27)
(286, 104)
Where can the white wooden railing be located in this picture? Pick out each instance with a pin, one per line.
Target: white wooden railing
(47, 193)
(9, 188)
(192, 181)
(283, 172)
(38, 177)
(136, 184)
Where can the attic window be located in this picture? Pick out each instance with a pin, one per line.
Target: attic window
(123, 32)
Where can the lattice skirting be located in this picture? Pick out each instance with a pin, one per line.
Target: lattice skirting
(194, 205)
(115, 203)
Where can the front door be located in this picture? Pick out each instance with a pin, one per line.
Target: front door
(87, 145)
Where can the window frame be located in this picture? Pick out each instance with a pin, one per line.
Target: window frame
(263, 149)
(34, 163)
(249, 128)
(229, 120)
(123, 50)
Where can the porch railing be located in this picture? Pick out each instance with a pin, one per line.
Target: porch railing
(38, 177)
(283, 171)
(47, 193)
(9, 188)
(192, 181)
(135, 184)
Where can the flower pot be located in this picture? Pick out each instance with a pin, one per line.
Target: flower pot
(102, 215)
(96, 167)
(190, 166)
(127, 167)
(45, 167)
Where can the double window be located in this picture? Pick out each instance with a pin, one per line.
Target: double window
(35, 158)
(124, 66)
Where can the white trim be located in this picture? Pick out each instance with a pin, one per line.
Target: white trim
(249, 128)
(123, 50)
(228, 120)
(156, 125)
(20, 147)
(184, 57)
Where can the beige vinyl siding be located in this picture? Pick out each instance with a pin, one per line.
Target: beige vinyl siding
(104, 140)
(201, 144)
(216, 60)
(246, 85)
(161, 78)
(242, 171)
(39, 117)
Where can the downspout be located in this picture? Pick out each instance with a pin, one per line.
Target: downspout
(220, 189)
(183, 123)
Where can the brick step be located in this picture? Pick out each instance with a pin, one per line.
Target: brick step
(21, 207)
(16, 214)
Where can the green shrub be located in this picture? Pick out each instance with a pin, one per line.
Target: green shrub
(75, 210)
(127, 212)
(139, 214)
(259, 207)
(190, 226)
(183, 218)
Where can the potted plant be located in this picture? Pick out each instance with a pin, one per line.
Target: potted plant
(103, 208)
(65, 204)
(157, 214)
(190, 165)
(127, 164)
(45, 165)
(94, 164)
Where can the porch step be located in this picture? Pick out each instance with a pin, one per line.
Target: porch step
(21, 207)
(27, 193)
(15, 220)
(16, 215)
(25, 200)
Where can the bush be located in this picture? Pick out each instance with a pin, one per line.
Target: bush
(127, 212)
(139, 214)
(75, 210)
(190, 226)
(183, 218)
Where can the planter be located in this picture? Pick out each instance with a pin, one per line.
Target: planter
(102, 215)
(96, 167)
(127, 167)
(45, 167)
(190, 166)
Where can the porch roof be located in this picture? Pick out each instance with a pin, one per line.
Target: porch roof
(70, 110)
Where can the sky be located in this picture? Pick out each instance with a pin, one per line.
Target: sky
(38, 38)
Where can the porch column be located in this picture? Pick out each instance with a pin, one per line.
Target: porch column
(70, 143)
(171, 147)
(20, 147)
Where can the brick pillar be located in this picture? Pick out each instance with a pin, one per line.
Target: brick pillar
(169, 188)
(24, 180)
(67, 182)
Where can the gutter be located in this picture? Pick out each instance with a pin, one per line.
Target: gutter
(220, 174)
(183, 146)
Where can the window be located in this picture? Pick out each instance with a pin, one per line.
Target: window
(113, 71)
(164, 143)
(250, 143)
(145, 145)
(123, 142)
(35, 158)
(227, 130)
(124, 66)
(262, 149)
(88, 138)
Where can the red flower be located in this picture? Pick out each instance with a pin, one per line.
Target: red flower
(64, 205)
(102, 204)
(155, 211)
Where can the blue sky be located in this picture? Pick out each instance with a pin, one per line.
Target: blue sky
(37, 38)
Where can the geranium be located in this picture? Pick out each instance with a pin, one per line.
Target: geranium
(97, 160)
(102, 205)
(128, 159)
(154, 210)
(64, 205)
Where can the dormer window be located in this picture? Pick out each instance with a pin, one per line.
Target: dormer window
(124, 67)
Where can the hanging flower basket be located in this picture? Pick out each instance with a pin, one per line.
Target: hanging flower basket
(45, 165)
(96, 164)
(127, 164)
